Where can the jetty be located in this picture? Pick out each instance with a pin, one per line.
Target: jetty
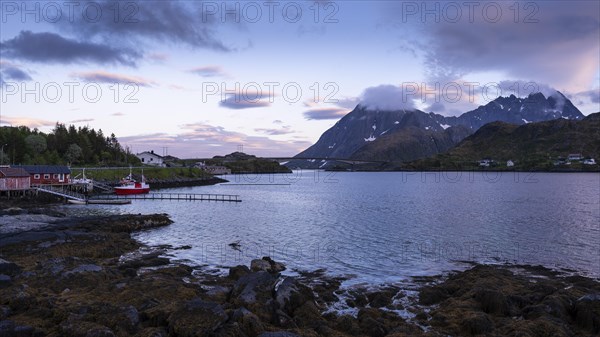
(172, 196)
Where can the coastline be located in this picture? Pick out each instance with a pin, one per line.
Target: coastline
(88, 277)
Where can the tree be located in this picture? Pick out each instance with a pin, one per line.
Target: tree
(73, 153)
(37, 143)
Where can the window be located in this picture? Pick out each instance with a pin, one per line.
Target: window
(55, 176)
(143, 159)
(46, 176)
(36, 176)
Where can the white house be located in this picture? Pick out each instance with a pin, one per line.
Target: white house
(510, 163)
(151, 158)
(589, 161)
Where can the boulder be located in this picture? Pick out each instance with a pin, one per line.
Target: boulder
(238, 271)
(290, 294)
(8, 268)
(197, 318)
(260, 265)
(248, 287)
(248, 322)
(476, 323)
(492, 301)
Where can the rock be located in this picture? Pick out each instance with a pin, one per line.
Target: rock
(266, 264)
(476, 324)
(247, 287)
(290, 295)
(5, 281)
(380, 298)
(238, 271)
(348, 324)
(197, 318)
(8, 268)
(587, 314)
(492, 301)
(432, 295)
(276, 267)
(84, 268)
(75, 327)
(260, 265)
(4, 312)
(249, 323)
(278, 334)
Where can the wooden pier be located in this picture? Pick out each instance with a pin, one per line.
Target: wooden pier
(173, 196)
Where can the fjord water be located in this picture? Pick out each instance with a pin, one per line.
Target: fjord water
(382, 227)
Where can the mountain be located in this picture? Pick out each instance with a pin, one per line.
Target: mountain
(411, 143)
(514, 110)
(530, 146)
(401, 135)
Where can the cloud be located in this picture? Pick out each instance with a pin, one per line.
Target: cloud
(244, 102)
(208, 71)
(560, 48)
(173, 22)
(25, 121)
(325, 113)
(284, 130)
(53, 48)
(104, 77)
(386, 97)
(11, 71)
(277, 121)
(205, 140)
(117, 114)
(592, 95)
(82, 120)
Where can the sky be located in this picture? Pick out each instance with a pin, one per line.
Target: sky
(204, 78)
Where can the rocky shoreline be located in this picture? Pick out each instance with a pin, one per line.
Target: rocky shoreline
(88, 277)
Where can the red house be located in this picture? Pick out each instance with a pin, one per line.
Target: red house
(47, 174)
(14, 179)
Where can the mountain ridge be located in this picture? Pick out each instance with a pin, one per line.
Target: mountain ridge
(367, 134)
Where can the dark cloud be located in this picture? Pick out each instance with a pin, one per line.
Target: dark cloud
(180, 22)
(559, 48)
(53, 48)
(10, 71)
(236, 102)
(325, 113)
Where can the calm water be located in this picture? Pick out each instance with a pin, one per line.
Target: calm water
(384, 227)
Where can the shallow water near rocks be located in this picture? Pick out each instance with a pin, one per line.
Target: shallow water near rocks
(381, 228)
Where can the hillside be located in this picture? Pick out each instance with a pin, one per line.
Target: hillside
(239, 162)
(411, 143)
(530, 146)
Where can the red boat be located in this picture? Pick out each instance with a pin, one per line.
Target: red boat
(130, 186)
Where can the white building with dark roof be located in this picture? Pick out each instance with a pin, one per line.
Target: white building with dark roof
(151, 158)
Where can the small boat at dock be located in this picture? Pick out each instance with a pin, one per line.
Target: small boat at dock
(129, 186)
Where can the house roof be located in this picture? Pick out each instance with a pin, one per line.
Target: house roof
(41, 169)
(12, 172)
(149, 153)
